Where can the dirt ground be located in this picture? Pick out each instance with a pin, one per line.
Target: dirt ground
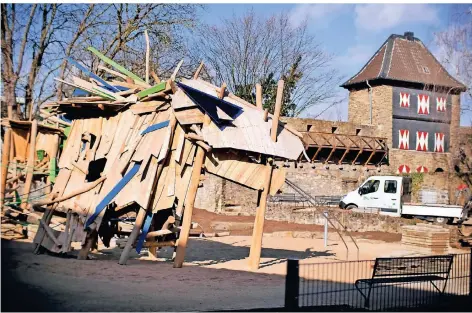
(215, 275)
(205, 218)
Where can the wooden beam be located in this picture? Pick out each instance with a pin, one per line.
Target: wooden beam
(316, 154)
(370, 157)
(221, 92)
(266, 115)
(30, 163)
(50, 233)
(358, 154)
(257, 234)
(197, 72)
(176, 71)
(190, 202)
(330, 154)
(115, 65)
(259, 96)
(82, 190)
(277, 109)
(156, 78)
(344, 155)
(5, 160)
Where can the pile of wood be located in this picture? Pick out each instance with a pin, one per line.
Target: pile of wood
(137, 153)
(426, 238)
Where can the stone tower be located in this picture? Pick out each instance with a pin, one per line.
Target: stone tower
(412, 100)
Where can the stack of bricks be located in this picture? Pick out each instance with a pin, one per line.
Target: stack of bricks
(426, 238)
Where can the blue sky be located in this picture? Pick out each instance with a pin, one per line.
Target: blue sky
(351, 32)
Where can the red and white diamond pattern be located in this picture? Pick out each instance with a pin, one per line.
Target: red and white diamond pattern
(421, 169)
(423, 104)
(438, 142)
(421, 141)
(404, 100)
(441, 104)
(404, 139)
(403, 169)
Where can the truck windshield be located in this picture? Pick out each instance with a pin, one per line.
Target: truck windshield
(371, 186)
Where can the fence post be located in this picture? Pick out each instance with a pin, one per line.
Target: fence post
(292, 281)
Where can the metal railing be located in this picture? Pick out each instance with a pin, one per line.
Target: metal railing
(331, 286)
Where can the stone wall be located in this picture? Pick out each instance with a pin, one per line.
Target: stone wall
(359, 109)
(336, 127)
(431, 160)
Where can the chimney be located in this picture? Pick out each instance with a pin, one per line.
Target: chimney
(409, 36)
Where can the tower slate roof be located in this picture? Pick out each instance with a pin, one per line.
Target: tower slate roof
(405, 59)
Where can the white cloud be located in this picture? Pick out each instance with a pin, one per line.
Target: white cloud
(377, 17)
(313, 13)
(354, 59)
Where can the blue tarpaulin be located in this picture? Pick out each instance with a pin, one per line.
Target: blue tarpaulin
(118, 187)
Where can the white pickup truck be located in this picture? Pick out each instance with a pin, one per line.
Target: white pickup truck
(389, 195)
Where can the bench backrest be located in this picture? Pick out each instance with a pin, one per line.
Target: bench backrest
(429, 265)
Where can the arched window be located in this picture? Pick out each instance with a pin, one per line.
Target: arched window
(439, 170)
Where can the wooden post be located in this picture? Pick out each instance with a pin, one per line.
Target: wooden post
(197, 72)
(146, 36)
(5, 161)
(278, 107)
(190, 201)
(221, 92)
(30, 163)
(132, 237)
(259, 96)
(256, 245)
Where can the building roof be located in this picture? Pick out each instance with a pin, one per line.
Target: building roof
(405, 59)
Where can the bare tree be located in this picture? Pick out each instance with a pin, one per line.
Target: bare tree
(455, 50)
(246, 50)
(36, 39)
(10, 75)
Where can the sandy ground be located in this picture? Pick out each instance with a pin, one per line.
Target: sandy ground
(215, 275)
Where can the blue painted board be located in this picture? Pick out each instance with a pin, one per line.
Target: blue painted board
(155, 127)
(147, 225)
(93, 75)
(118, 187)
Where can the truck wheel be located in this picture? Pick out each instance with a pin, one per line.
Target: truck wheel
(441, 220)
(351, 206)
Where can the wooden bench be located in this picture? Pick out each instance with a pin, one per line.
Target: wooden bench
(405, 270)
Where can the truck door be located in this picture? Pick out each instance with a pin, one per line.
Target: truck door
(371, 196)
(391, 197)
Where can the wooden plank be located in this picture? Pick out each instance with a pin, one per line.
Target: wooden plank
(278, 107)
(256, 244)
(189, 205)
(197, 72)
(30, 164)
(259, 96)
(114, 64)
(5, 161)
(154, 89)
(189, 116)
(92, 75)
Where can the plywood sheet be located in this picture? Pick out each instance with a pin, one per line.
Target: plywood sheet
(248, 131)
(239, 169)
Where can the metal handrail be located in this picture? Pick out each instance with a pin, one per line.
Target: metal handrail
(312, 201)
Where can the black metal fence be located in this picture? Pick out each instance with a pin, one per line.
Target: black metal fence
(332, 286)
